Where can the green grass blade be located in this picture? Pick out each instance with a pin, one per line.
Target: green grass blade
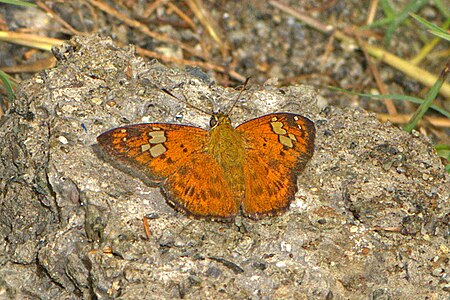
(8, 84)
(387, 8)
(411, 7)
(394, 97)
(430, 96)
(436, 30)
(443, 151)
(18, 2)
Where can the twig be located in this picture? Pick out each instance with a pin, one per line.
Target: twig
(147, 230)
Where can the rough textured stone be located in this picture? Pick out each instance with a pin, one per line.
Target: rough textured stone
(370, 220)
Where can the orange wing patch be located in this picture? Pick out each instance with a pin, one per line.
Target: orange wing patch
(191, 179)
(278, 147)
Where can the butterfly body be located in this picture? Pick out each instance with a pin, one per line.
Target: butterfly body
(214, 174)
(227, 146)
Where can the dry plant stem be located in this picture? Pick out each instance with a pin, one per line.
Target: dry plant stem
(202, 14)
(425, 51)
(142, 27)
(58, 18)
(152, 7)
(374, 70)
(428, 47)
(403, 119)
(372, 11)
(326, 5)
(182, 15)
(30, 40)
(414, 72)
(407, 68)
(204, 65)
(439, 54)
(302, 17)
(34, 67)
(147, 230)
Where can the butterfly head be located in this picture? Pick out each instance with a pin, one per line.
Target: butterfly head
(219, 118)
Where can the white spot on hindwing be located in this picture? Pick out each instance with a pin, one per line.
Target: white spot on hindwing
(157, 150)
(157, 137)
(285, 138)
(156, 141)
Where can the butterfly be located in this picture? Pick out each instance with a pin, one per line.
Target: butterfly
(217, 173)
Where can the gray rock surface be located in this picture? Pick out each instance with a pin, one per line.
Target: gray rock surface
(370, 219)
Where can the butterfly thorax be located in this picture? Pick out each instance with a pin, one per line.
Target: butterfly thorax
(227, 146)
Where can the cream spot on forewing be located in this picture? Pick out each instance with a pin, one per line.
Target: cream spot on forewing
(124, 139)
(274, 119)
(156, 128)
(123, 131)
(157, 137)
(277, 127)
(157, 150)
(286, 141)
(292, 137)
(145, 147)
(296, 118)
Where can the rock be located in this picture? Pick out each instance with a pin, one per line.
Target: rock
(370, 219)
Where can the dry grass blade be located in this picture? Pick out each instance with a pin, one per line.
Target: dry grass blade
(372, 11)
(30, 40)
(152, 7)
(202, 14)
(182, 15)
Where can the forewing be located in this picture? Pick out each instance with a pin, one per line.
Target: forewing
(277, 148)
(175, 155)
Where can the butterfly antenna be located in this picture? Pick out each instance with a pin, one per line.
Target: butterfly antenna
(239, 96)
(185, 101)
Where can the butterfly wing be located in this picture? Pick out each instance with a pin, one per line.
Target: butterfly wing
(278, 147)
(176, 156)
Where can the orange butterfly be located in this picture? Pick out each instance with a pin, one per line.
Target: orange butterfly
(214, 174)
